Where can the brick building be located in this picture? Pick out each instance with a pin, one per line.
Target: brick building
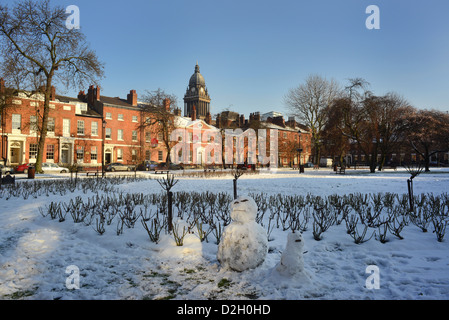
(92, 127)
(294, 139)
(78, 129)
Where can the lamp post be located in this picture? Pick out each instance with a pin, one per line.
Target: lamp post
(102, 148)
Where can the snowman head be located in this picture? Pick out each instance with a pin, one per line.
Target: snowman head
(243, 209)
(295, 240)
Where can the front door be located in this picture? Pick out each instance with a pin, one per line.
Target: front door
(65, 153)
(107, 158)
(15, 155)
(65, 156)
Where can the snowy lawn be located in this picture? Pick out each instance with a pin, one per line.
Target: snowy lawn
(36, 251)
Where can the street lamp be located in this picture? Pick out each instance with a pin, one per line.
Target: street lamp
(102, 149)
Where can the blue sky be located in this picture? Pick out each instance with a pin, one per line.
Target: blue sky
(252, 52)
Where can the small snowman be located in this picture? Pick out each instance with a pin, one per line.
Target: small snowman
(292, 262)
(244, 243)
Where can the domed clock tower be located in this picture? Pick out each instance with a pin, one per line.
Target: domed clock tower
(197, 95)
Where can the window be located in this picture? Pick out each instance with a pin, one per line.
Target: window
(109, 115)
(134, 135)
(33, 124)
(120, 117)
(120, 134)
(80, 153)
(93, 154)
(108, 133)
(134, 119)
(147, 137)
(160, 136)
(66, 127)
(134, 155)
(147, 155)
(51, 125)
(33, 151)
(159, 155)
(119, 154)
(16, 121)
(94, 128)
(80, 127)
(50, 152)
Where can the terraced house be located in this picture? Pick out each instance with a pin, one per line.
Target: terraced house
(81, 130)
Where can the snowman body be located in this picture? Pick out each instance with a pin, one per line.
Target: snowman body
(292, 261)
(244, 243)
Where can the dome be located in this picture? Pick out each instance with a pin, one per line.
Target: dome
(197, 79)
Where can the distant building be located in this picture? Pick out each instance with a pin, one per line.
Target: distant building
(271, 114)
(197, 96)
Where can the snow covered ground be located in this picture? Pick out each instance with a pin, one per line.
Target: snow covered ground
(38, 254)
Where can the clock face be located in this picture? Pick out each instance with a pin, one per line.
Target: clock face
(193, 89)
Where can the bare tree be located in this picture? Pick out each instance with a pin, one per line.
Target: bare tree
(309, 103)
(158, 110)
(387, 122)
(376, 124)
(39, 51)
(428, 133)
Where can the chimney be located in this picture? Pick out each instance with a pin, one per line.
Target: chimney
(97, 93)
(81, 96)
(193, 113)
(208, 118)
(177, 112)
(291, 122)
(167, 104)
(279, 121)
(53, 94)
(90, 95)
(242, 120)
(132, 98)
(217, 121)
(2, 85)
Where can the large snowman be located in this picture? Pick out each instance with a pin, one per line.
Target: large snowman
(244, 243)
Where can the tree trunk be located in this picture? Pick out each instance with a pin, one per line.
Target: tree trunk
(43, 128)
(426, 160)
(382, 162)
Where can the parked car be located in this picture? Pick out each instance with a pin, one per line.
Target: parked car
(24, 167)
(117, 166)
(53, 167)
(171, 166)
(6, 169)
(151, 165)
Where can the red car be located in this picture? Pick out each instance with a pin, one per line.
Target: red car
(23, 168)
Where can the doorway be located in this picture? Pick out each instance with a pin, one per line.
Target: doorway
(15, 155)
(65, 154)
(107, 157)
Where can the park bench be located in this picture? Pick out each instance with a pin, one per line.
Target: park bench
(161, 170)
(92, 171)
